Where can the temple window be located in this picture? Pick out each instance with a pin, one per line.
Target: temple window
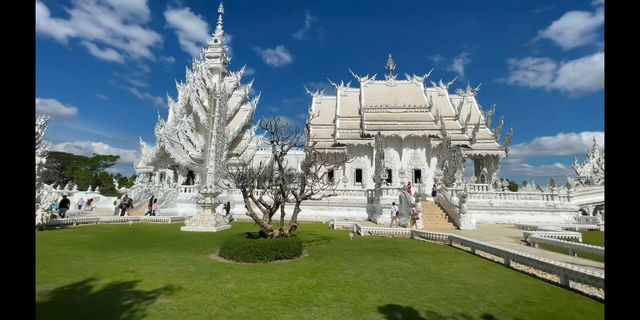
(417, 176)
(358, 175)
(389, 179)
(330, 175)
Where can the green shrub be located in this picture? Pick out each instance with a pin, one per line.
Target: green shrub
(248, 248)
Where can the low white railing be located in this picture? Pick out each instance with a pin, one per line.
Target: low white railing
(188, 189)
(573, 247)
(566, 273)
(553, 235)
(370, 231)
(588, 220)
(479, 187)
(103, 220)
(335, 224)
(529, 196)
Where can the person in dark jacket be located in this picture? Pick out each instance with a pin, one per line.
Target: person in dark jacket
(64, 205)
(149, 207)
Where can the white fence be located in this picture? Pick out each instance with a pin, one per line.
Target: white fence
(571, 246)
(104, 220)
(567, 275)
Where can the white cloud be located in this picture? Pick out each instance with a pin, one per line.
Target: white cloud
(562, 144)
(248, 71)
(277, 57)
(574, 29)
(88, 148)
(435, 58)
(117, 25)
(102, 96)
(459, 62)
(597, 2)
(145, 96)
(302, 32)
(167, 59)
(55, 108)
(192, 30)
(106, 54)
(567, 145)
(514, 168)
(576, 77)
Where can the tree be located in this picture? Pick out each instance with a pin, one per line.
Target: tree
(513, 186)
(269, 187)
(84, 171)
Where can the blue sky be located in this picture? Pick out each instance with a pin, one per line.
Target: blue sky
(105, 68)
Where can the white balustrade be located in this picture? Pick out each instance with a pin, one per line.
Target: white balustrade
(567, 273)
(573, 247)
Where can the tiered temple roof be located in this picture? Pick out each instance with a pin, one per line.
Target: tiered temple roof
(402, 108)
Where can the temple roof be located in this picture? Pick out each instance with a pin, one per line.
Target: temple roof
(400, 108)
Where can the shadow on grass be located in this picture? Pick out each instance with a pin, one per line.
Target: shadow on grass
(398, 312)
(81, 300)
(310, 239)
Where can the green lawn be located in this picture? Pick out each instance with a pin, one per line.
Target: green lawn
(588, 237)
(157, 272)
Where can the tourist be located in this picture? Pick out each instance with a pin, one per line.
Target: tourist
(227, 210)
(414, 216)
(149, 207)
(433, 191)
(410, 189)
(80, 203)
(124, 204)
(394, 214)
(64, 205)
(116, 206)
(88, 206)
(129, 205)
(154, 207)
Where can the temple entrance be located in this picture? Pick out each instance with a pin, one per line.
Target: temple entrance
(191, 176)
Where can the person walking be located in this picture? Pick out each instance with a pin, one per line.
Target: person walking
(394, 214)
(123, 205)
(154, 207)
(410, 189)
(434, 192)
(64, 206)
(149, 206)
(414, 216)
(80, 203)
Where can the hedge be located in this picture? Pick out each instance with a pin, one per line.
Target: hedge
(247, 248)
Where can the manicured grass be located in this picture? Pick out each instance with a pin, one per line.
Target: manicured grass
(588, 237)
(157, 272)
(595, 238)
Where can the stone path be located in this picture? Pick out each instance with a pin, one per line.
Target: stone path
(508, 236)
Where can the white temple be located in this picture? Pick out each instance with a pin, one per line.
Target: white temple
(414, 121)
(392, 130)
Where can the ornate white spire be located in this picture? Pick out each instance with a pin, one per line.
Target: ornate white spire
(220, 14)
(391, 68)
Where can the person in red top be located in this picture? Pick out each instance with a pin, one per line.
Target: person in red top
(410, 189)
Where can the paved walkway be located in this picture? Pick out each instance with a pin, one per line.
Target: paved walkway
(508, 236)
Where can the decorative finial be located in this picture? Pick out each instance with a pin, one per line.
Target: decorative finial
(391, 68)
(220, 14)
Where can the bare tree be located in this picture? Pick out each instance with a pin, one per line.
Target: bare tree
(269, 187)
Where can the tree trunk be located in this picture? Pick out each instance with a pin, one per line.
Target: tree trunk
(293, 223)
(265, 227)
